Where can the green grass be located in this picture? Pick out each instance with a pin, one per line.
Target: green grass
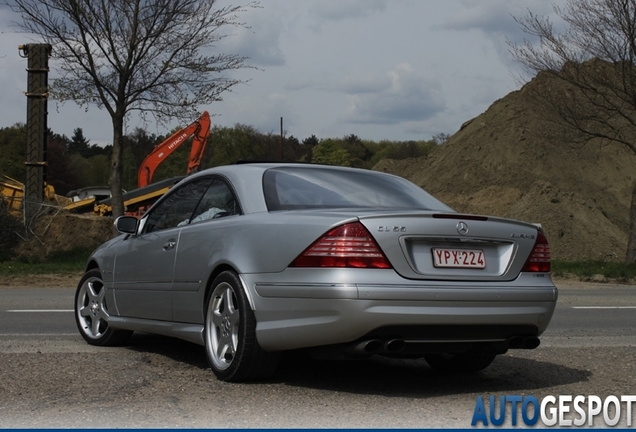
(619, 271)
(59, 263)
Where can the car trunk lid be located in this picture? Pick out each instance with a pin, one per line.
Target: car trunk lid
(453, 246)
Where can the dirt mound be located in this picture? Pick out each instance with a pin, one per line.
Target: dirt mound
(63, 232)
(511, 161)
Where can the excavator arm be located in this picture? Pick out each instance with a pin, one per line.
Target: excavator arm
(200, 129)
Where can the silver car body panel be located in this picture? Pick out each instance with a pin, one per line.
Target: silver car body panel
(158, 281)
(289, 314)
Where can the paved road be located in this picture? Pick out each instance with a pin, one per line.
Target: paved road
(37, 311)
(51, 378)
(597, 315)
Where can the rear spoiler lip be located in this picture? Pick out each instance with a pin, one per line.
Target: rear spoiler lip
(459, 216)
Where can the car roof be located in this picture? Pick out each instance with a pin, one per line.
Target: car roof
(260, 167)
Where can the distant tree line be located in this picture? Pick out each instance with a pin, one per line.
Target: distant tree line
(74, 162)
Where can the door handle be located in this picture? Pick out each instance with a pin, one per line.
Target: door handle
(170, 244)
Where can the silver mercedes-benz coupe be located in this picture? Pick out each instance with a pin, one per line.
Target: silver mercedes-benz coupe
(251, 260)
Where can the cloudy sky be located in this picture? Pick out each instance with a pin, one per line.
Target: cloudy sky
(379, 69)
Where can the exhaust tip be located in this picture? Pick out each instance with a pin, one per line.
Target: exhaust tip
(394, 345)
(515, 342)
(531, 343)
(523, 342)
(371, 346)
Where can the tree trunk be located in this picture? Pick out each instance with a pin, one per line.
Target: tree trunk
(116, 169)
(631, 244)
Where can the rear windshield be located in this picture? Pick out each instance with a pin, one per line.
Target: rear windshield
(294, 188)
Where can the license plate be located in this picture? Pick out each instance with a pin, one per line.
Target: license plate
(459, 258)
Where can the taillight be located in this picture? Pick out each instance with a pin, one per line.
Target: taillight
(539, 259)
(348, 245)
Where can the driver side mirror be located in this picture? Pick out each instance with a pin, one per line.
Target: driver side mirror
(126, 224)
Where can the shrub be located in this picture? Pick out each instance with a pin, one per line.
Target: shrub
(10, 228)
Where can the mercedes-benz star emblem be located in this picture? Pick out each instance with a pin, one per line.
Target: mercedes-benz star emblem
(462, 228)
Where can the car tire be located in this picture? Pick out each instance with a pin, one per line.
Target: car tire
(91, 312)
(472, 361)
(230, 334)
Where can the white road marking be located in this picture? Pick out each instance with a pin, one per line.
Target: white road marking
(603, 307)
(587, 341)
(25, 335)
(38, 310)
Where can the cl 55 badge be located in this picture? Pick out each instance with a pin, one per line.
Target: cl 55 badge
(391, 229)
(523, 236)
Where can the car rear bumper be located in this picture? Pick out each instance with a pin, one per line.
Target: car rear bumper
(299, 315)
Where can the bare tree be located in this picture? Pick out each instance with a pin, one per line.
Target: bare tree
(152, 56)
(593, 58)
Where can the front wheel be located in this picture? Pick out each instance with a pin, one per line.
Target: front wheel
(230, 334)
(91, 312)
(467, 362)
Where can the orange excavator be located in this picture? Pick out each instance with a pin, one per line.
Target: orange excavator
(138, 200)
(200, 129)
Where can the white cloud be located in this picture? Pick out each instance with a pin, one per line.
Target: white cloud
(261, 42)
(338, 10)
(364, 82)
(13, 77)
(263, 112)
(411, 96)
(495, 19)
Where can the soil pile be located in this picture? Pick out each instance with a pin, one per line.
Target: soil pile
(64, 232)
(512, 161)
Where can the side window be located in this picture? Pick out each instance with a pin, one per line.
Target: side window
(218, 201)
(177, 208)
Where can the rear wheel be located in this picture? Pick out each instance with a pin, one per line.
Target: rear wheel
(472, 361)
(91, 312)
(230, 334)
